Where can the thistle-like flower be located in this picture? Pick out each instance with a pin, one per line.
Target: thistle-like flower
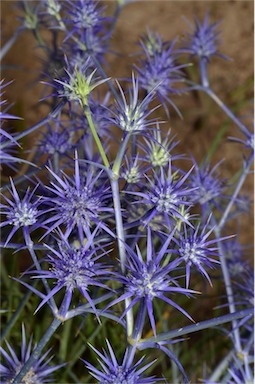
(132, 172)
(147, 280)
(203, 41)
(11, 364)
(77, 86)
(20, 213)
(158, 72)
(74, 266)
(57, 139)
(83, 15)
(196, 250)
(158, 150)
(208, 185)
(238, 266)
(78, 202)
(132, 117)
(166, 194)
(114, 373)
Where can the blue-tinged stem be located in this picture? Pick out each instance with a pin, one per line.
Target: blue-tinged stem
(236, 192)
(114, 19)
(228, 112)
(200, 326)
(119, 222)
(37, 351)
(228, 287)
(30, 247)
(121, 244)
(206, 88)
(36, 247)
(8, 45)
(203, 72)
(51, 115)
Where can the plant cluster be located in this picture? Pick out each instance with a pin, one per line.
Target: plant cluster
(122, 240)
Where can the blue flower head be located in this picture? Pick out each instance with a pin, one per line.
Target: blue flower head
(158, 150)
(146, 280)
(132, 116)
(196, 250)
(20, 213)
(208, 185)
(11, 364)
(203, 41)
(84, 14)
(78, 202)
(57, 139)
(73, 267)
(166, 194)
(158, 72)
(112, 372)
(234, 254)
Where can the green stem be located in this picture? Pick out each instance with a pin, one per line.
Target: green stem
(120, 155)
(96, 137)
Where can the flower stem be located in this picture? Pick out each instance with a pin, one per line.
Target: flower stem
(203, 72)
(120, 155)
(30, 247)
(229, 290)
(96, 137)
(121, 245)
(228, 112)
(236, 192)
(199, 326)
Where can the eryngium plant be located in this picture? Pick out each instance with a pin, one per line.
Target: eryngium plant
(111, 236)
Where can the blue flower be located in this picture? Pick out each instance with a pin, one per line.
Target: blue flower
(204, 40)
(146, 280)
(158, 150)
(196, 250)
(114, 373)
(131, 116)
(132, 172)
(74, 266)
(166, 194)
(238, 266)
(57, 139)
(208, 185)
(84, 14)
(20, 213)
(159, 71)
(11, 364)
(78, 202)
